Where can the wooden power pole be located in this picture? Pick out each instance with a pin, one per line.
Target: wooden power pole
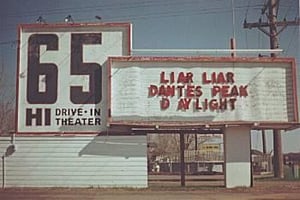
(272, 6)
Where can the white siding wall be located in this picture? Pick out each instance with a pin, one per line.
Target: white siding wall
(106, 161)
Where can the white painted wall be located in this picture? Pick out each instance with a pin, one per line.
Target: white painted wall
(106, 161)
(237, 157)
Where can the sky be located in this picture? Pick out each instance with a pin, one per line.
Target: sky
(168, 24)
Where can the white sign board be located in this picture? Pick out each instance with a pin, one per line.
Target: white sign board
(154, 90)
(62, 75)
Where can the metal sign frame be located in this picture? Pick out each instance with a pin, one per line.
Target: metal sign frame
(155, 125)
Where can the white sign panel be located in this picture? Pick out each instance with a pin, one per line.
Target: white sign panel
(62, 75)
(202, 90)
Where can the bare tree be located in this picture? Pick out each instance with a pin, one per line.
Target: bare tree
(170, 143)
(189, 140)
(7, 106)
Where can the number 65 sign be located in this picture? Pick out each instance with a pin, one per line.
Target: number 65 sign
(62, 75)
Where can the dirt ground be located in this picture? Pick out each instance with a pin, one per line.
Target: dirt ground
(262, 190)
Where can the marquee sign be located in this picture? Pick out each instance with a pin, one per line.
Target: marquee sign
(181, 91)
(62, 82)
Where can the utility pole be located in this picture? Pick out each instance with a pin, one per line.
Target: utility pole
(273, 24)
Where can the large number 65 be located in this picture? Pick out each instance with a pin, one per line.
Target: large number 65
(49, 71)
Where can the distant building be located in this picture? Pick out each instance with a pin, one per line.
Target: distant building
(292, 162)
(291, 158)
(210, 147)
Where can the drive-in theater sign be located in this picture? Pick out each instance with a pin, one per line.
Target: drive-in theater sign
(203, 91)
(233, 94)
(80, 78)
(62, 79)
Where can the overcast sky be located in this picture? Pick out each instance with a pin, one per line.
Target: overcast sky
(157, 24)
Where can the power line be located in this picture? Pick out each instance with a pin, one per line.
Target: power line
(102, 7)
(294, 34)
(9, 42)
(159, 14)
(113, 6)
(247, 9)
(172, 11)
(288, 10)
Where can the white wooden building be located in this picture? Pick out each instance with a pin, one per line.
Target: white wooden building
(67, 161)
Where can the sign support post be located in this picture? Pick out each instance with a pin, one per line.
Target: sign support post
(237, 157)
(182, 163)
